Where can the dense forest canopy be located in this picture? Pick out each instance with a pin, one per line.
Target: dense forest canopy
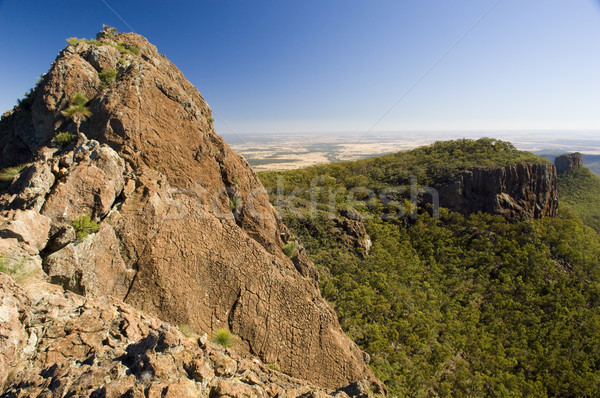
(461, 305)
(579, 190)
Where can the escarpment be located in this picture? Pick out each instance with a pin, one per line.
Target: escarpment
(523, 190)
(185, 231)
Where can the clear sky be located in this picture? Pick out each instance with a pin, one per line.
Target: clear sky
(340, 65)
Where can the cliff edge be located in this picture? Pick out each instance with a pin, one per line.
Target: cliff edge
(518, 191)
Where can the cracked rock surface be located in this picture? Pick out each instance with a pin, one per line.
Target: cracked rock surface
(56, 343)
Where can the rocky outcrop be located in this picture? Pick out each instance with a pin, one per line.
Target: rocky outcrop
(350, 230)
(519, 191)
(567, 162)
(186, 231)
(55, 344)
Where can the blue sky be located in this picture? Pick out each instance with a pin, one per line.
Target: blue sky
(340, 65)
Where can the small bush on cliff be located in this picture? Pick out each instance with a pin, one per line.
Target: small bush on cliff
(134, 50)
(121, 47)
(223, 337)
(72, 41)
(94, 42)
(63, 138)
(107, 76)
(7, 175)
(78, 110)
(84, 226)
(235, 203)
(110, 31)
(290, 249)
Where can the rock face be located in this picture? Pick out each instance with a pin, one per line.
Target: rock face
(56, 343)
(568, 162)
(518, 191)
(186, 231)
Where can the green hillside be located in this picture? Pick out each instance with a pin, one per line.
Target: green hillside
(456, 306)
(428, 164)
(579, 190)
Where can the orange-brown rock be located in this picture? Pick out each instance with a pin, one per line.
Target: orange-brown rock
(187, 232)
(55, 344)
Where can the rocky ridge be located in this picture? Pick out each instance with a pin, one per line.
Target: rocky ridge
(60, 344)
(186, 231)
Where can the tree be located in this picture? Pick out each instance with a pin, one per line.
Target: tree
(77, 110)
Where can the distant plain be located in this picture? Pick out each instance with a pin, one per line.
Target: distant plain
(291, 151)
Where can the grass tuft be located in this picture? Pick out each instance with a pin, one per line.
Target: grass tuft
(223, 337)
(7, 175)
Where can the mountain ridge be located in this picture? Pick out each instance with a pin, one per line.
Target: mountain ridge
(186, 232)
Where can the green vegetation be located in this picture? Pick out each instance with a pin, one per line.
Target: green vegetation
(110, 31)
(17, 268)
(94, 42)
(7, 175)
(290, 249)
(78, 110)
(63, 138)
(432, 165)
(3, 267)
(126, 49)
(223, 337)
(460, 305)
(187, 331)
(235, 203)
(84, 226)
(107, 76)
(72, 41)
(210, 120)
(274, 366)
(579, 191)
(111, 34)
